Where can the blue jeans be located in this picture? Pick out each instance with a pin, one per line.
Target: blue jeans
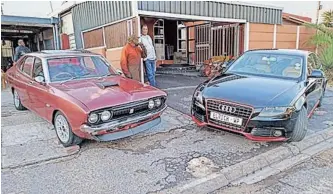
(150, 70)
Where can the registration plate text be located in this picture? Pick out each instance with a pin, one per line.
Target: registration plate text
(226, 118)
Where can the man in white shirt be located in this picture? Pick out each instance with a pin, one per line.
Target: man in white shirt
(150, 60)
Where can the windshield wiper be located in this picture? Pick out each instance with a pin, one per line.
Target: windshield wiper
(106, 75)
(74, 77)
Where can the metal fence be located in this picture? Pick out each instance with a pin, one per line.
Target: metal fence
(225, 40)
(216, 41)
(202, 43)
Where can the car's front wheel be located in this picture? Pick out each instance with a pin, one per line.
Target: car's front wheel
(64, 131)
(301, 126)
(17, 101)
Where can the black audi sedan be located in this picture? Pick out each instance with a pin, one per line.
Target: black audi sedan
(265, 95)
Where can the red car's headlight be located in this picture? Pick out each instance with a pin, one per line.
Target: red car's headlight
(93, 118)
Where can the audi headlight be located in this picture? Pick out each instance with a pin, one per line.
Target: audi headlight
(93, 118)
(198, 96)
(106, 115)
(275, 111)
(151, 104)
(158, 102)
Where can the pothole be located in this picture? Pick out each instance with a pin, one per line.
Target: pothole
(200, 167)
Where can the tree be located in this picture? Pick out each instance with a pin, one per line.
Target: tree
(324, 40)
(327, 17)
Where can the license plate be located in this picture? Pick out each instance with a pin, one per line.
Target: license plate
(226, 118)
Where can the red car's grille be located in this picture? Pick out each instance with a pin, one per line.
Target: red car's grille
(240, 111)
(126, 110)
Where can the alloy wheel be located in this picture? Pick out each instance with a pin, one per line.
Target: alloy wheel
(62, 128)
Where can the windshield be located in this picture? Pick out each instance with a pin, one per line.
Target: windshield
(67, 68)
(268, 64)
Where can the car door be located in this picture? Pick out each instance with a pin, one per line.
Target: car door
(313, 90)
(38, 92)
(23, 79)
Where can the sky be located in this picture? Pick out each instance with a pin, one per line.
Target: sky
(42, 8)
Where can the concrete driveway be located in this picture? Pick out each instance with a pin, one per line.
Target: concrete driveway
(168, 155)
(180, 90)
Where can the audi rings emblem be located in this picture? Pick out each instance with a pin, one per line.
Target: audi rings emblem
(225, 108)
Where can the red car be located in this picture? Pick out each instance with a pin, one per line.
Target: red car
(83, 96)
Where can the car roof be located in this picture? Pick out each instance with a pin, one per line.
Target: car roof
(61, 53)
(282, 51)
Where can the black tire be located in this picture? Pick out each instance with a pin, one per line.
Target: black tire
(301, 126)
(17, 101)
(72, 139)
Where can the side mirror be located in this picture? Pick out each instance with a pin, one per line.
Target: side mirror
(119, 72)
(316, 73)
(39, 79)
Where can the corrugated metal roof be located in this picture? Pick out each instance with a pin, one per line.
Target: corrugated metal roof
(249, 12)
(91, 14)
(27, 21)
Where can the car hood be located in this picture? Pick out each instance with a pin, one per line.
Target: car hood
(255, 91)
(95, 97)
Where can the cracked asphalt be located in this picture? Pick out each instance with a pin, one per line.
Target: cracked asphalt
(174, 152)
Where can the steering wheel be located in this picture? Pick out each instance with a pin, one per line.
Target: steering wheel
(62, 73)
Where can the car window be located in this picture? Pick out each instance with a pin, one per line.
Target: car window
(27, 66)
(38, 68)
(88, 62)
(19, 63)
(268, 64)
(66, 68)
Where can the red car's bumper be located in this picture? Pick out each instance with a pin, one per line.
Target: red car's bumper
(247, 135)
(120, 129)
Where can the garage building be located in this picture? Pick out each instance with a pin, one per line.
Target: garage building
(184, 32)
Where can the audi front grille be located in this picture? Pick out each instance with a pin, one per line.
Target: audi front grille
(231, 109)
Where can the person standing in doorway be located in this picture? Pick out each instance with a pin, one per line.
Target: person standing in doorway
(150, 60)
(130, 60)
(20, 50)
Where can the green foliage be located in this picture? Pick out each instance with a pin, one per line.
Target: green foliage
(324, 40)
(328, 18)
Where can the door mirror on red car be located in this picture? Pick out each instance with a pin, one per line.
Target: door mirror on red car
(119, 72)
(39, 79)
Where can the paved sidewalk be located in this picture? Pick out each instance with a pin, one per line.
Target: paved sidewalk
(314, 176)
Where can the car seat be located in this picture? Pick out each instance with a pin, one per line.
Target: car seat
(263, 66)
(293, 70)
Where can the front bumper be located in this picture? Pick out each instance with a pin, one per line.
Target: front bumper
(257, 129)
(123, 128)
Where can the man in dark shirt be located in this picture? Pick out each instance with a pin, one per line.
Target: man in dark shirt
(20, 50)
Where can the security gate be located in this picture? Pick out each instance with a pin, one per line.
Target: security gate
(225, 40)
(216, 40)
(202, 43)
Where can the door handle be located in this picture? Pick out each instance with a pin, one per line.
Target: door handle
(30, 82)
